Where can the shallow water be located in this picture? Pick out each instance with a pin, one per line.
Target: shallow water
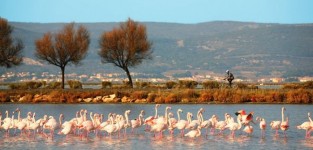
(142, 140)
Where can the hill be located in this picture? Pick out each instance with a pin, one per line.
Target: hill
(249, 50)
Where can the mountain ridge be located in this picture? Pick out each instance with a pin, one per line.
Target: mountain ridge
(250, 50)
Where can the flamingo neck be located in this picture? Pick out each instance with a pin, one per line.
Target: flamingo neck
(239, 122)
(165, 115)
(201, 117)
(282, 115)
(60, 119)
(19, 116)
(169, 122)
(126, 117)
(188, 117)
(178, 115)
(156, 112)
(91, 118)
(309, 116)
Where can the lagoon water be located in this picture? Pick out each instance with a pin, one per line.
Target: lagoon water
(144, 140)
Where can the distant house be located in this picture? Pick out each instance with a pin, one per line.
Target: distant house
(277, 80)
(305, 79)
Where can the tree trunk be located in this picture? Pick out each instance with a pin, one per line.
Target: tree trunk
(129, 77)
(62, 70)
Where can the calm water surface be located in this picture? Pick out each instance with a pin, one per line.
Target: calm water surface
(143, 140)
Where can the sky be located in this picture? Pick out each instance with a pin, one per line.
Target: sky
(174, 11)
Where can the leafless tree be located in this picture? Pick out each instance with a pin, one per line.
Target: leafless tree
(68, 46)
(125, 46)
(10, 51)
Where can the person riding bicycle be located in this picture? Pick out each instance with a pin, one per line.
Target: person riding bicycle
(229, 77)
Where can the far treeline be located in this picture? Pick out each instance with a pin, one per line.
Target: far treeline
(185, 91)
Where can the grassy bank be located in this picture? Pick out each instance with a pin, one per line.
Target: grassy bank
(158, 95)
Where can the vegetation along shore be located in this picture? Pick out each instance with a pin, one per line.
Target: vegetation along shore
(189, 92)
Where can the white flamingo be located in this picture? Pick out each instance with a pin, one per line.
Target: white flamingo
(234, 126)
(181, 124)
(151, 119)
(262, 125)
(136, 123)
(284, 126)
(306, 126)
(8, 124)
(194, 133)
(52, 125)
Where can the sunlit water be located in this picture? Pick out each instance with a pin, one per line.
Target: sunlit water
(144, 140)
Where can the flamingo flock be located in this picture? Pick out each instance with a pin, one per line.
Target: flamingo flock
(117, 124)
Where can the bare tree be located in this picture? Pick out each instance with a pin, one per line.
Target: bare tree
(10, 51)
(68, 46)
(125, 46)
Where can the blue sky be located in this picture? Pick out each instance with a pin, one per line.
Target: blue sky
(180, 11)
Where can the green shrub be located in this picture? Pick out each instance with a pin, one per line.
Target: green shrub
(170, 84)
(106, 84)
(54, 85)
(205, 96)
(25, 85)
(210, 85)
(142, 84)
(172, 98)
(75, 84)
(187, 84)
(151, 97)
(242, 85)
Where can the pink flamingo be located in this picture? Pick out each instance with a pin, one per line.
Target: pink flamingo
(34, 125)
(284, 126)
(220, 125)
(8, 124)
(234, 126)
(306, 126)
(210, 123)
(262, 125)
(150, 120)
(181, 124)
(88, 125)
(110, 128)
(170, 123)
(161, 123)
(194, 133)
(136, 123)
(275, 126)
(52, 125)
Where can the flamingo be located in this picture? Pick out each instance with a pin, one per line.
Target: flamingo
(194, 133)
(234, 126)
(34, 125)
(220, 125)
(88, 125)
(170, 123)
(52, 125)
(194, 123)
(181, 124)
(110, 128)
(275, 126)
(306, 126)
(136, 123)
(150, 120)
(284, 126)
(67, 127)
(8, 124)
(262, 125)
(210, 123)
